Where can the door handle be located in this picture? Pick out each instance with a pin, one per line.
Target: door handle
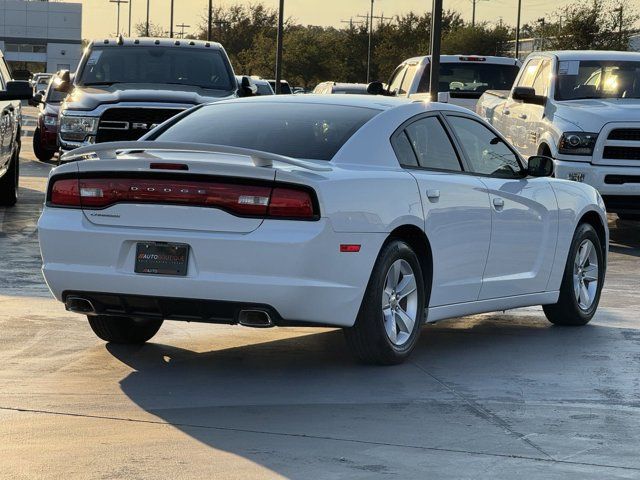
(523, 116)
(498, 203)
(433, 194)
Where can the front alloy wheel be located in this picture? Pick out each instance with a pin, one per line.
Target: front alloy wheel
(585, 275)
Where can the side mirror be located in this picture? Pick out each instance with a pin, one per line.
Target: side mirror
(36, 99)
(247, 87)
(540, 166)
(376, 88)
(63, 82)
(444, 97)
(17, 90)
(527, 95)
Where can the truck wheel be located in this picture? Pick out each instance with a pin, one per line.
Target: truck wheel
(392, 311)
(582, 281)
(40, 153)
(9, 183)
(123, 329)
(629, 217)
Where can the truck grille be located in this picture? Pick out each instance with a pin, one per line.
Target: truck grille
(622, 153)
(625, 134)
(131, 123)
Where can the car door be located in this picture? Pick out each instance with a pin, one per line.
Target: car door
(456, 209)
(515, 112)
(524, 212)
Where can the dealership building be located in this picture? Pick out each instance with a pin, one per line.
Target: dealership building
(39, 36)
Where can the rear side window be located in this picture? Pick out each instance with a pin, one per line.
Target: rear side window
(298, 130)
(432, 145)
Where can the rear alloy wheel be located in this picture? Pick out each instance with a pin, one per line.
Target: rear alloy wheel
(582, 282)
(124, 329)
(9, 182)
(392, 311)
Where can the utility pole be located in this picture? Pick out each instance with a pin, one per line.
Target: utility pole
(210, 22)
(352, 23)
(518, 29)
(620, 18)
(130, 2)
(147, 30)
(541, 20)
(473, 14)
(171, 21)
(436, 31)
(118, 2)
(182, 26)
(279, 47)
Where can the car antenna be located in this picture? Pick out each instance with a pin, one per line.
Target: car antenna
(120, 40)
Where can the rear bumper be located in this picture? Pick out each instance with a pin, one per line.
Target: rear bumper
(610, 181)
(295, 268)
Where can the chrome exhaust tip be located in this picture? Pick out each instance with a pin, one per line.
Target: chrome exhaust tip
(79, 305)
(255, 319)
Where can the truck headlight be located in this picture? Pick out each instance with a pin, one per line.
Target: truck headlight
(76, 124)
(51, 120)
(577, 143)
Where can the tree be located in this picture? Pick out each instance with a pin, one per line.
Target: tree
(155, 30)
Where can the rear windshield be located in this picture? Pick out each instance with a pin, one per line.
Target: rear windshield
(298, 130)
(198, 67)
(472, 79)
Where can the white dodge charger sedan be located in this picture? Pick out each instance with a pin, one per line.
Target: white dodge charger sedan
(367, 213)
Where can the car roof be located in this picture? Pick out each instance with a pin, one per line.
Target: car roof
(593, 55)
(150, 42)
(460, 58)
(377, 102)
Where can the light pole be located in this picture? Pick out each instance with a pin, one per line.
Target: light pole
(210, 24)
(171, 21)
(436, 30)
(279, 47)
(118, 2)
(147, 29)
(370, 39)
(518, 29)
(130, 2)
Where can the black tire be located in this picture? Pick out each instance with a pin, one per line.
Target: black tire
(629, 217)
(9, 182)
(124, 329)
(368, 339)
(568, 311)
(40, 153)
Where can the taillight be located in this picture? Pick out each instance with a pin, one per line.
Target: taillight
(239, 199)
(290, 203)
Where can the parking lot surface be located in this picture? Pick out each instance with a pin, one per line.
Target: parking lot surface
(501, 396)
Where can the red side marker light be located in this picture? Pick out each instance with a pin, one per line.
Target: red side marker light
(349, 248)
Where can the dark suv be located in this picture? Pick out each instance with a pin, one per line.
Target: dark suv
(125, 87)
(11, 92)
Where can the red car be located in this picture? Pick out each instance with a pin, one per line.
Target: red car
(45, 137)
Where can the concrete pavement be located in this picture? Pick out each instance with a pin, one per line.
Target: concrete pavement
(490, 396)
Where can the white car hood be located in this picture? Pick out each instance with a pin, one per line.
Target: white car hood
(591, 115)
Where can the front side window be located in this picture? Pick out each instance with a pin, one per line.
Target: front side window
(408, 79)
(529, 73)
(298, 130)
(198, 67)
(543, 78)
(487, 153)
(396, 79)
(432, 145)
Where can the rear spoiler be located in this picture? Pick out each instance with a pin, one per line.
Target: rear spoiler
(111, 150)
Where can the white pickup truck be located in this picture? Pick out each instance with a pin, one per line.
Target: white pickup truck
(464, 77)
(582, 108)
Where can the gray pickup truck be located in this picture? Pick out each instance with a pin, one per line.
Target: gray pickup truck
(125, 87)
